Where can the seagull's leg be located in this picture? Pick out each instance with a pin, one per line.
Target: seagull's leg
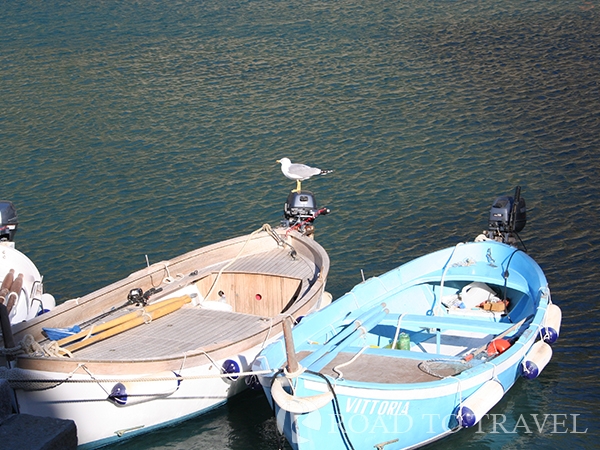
(298, 186)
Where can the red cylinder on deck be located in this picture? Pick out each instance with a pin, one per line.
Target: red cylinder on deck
(498, 346)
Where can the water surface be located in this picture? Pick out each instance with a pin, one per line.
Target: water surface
(134, 129)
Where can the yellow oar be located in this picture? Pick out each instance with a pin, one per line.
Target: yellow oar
(123, 319)
(152, 315)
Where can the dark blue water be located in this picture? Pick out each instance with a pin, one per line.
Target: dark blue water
(151, 128)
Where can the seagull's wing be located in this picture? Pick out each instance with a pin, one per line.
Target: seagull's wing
(302, 172)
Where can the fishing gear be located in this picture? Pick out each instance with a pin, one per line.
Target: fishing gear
(136, 297)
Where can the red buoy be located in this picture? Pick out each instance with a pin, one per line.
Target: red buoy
(498, 346)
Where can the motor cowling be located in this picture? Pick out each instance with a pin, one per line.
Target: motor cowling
(508, 216)
(8, 221)
(300, 210)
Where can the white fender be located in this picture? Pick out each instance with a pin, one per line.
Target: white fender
(127, 393)
(298, 405)
(552, 321)
(477, 405)
(536, 359)
(48, 301)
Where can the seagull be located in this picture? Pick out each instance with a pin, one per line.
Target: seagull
(299, 172)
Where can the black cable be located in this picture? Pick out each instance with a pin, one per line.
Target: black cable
(506, 274)
(336, 410)
(336, 407)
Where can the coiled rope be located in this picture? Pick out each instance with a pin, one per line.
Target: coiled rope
(31, 347)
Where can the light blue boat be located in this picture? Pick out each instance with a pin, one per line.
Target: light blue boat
(411, 356)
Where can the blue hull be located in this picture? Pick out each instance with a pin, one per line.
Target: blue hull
(359, 386)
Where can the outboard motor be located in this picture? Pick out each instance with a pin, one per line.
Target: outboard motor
(507, 218)
(300, 211)
(8, 221)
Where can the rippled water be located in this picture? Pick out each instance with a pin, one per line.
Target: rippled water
(150, 128)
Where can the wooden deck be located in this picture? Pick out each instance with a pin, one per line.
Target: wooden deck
(378, 369)
(192, 328)
(275, 262)
(182, 331)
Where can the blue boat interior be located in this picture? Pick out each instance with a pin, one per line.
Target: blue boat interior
(416, 324)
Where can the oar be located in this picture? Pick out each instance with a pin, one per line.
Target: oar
(123, 319)
(152, 315)
(470, 356)
(366, 321)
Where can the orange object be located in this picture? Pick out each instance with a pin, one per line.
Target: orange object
(498, 346)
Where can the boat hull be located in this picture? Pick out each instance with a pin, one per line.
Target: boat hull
(151, 400)
(136, 370)
(385, 396)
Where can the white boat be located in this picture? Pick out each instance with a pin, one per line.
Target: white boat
(22, 290)
(419, 352)
(170, 341)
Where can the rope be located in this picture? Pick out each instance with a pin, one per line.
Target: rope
(505, 275)
(431, 312)
(460, 392)
(21, 379)
(30, 346)
(336, 410)
(347, 363)
(269, 332)
(266, 228)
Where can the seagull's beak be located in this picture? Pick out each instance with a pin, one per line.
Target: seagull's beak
(279, 161)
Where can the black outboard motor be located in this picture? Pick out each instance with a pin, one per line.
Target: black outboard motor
(507, 218)
(300, 211)
(8, 221)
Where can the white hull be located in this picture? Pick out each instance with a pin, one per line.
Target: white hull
(163, 399)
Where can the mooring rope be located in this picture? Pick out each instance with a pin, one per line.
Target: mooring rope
(31, 347)
(20, 377)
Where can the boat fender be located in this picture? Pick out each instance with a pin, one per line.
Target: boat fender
(477, 405)
(552, 322)
(298, 405)
(127, 393)
(48, 303)
(231, 366)
(536, 359)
